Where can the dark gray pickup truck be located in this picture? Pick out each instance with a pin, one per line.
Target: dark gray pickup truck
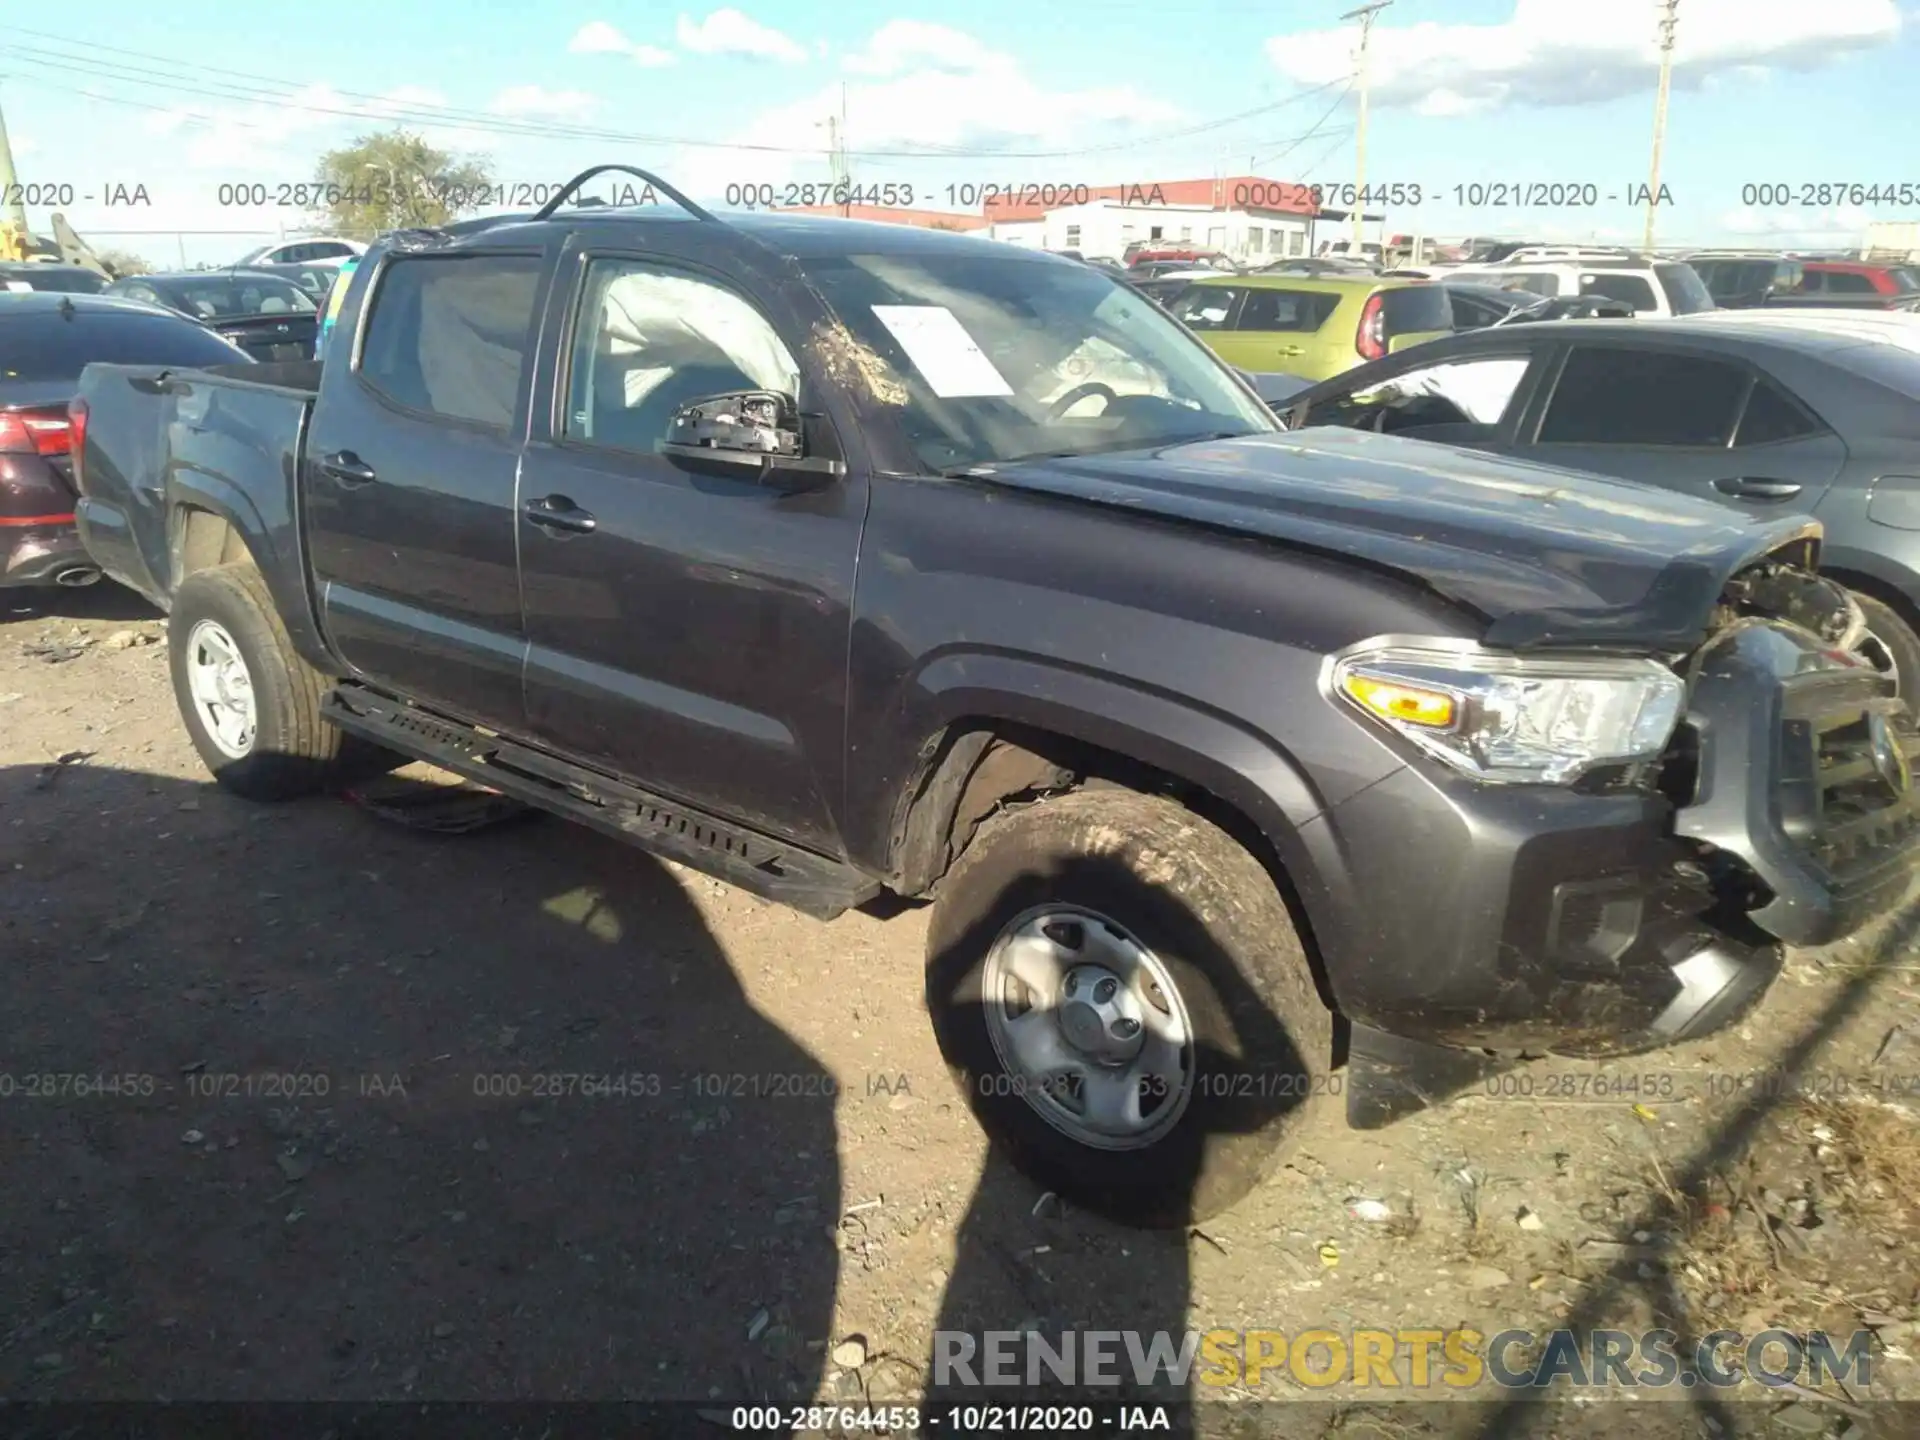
(1242, 769)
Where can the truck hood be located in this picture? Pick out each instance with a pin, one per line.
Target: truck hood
(1546, 556)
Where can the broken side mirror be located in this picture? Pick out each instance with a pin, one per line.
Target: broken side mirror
(750, 434)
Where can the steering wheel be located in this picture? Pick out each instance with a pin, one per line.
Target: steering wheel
(1078, 393)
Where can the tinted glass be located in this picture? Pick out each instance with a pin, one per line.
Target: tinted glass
(223, 297)
(1642, 397)
(1733, 279)
(46, 345)
(1843, 282)
(1771, 416)
(1205, 307)
(52, 277)
(1630, 288)
(452, 336)
(1415, 310)
(1685, 294)
(1904, 278)
(1293, 311)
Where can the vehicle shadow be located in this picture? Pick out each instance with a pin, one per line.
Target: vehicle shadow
(103, 600)
(1742, 1411)
(1066, 1280)
(300, 1105)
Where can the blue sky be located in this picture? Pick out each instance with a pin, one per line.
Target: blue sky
(193, 96)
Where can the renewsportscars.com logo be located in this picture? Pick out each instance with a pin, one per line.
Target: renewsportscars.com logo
(1455, 1359)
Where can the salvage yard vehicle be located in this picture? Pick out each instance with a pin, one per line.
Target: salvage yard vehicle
(1654, 288)
(789, 548)
(1765, 411)
(267, 315)
(47, 337)
(1313, 326)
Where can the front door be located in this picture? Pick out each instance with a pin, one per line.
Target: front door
(411, 458)
(687, 630)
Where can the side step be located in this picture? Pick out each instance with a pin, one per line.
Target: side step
(810, 883)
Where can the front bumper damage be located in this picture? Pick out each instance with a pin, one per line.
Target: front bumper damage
(1648, 910)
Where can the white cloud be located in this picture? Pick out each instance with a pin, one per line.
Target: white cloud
(1570, 52)
(1844, 226)
(730, 32)
(598, 37)
(928, 87)
(902, 45)
(535, 100)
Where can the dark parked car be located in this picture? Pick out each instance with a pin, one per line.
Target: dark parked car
(1742, 280)
(838, 558)
(1477, 306)
(316, 280)
(18, 275)
(46, 339)
(1763, 411)
(267, 315)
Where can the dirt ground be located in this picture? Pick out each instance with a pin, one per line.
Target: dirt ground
(296, 1103)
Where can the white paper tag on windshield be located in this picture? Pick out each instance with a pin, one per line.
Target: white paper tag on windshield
(942, 351)
(18, 285)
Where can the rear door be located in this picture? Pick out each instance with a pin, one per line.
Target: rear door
(688, 629)
(1280, 329)
(1705, 424)
(411, 460)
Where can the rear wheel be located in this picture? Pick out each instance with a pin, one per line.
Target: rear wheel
(251, 704)
(1120, 991)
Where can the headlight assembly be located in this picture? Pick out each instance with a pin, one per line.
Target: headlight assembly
(1514, 718)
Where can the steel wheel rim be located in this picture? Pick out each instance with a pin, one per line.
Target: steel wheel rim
(1089, 1027)
(222, 689)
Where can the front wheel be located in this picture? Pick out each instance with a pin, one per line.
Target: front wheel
(1892, 646)
(1120, 990)
(250, 703)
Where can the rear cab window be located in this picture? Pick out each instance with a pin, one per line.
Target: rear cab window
(452, 335)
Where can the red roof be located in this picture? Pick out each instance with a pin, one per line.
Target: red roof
(1228, 192)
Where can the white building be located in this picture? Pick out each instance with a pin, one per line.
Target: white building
(1246, 217)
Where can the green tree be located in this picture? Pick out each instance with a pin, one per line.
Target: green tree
(125, 262)
(395, 180)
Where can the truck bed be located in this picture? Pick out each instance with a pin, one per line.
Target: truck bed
(232, 433)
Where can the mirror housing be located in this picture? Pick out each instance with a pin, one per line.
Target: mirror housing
(749, 434)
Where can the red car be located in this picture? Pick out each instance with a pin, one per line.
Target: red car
(1857, 277)
(47, 337)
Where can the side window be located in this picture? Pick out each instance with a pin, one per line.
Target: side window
(1812, 282)
(650, 340)
(1205, 307)
(1547, 284)
(324, 250)
(1474, 392)
(451, 336)
(291, 254)
(141, 292)
(1843, 282)
(1294, 311)
(1631, 288)
(1642, 397)
(1772, 416)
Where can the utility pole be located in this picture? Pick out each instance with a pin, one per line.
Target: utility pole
(1365, 16)
(1669, 19)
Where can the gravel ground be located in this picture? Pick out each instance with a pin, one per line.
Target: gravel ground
(296, 1103)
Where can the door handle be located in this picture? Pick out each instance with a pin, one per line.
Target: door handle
(348, 468)
(1753, 488)
(557, 512)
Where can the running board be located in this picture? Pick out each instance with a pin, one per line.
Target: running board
(810, 883)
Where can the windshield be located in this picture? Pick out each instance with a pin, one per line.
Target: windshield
(227, 297)
(1685, 293)
(995, 359)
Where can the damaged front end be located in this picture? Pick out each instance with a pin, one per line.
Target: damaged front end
(1783, 811)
